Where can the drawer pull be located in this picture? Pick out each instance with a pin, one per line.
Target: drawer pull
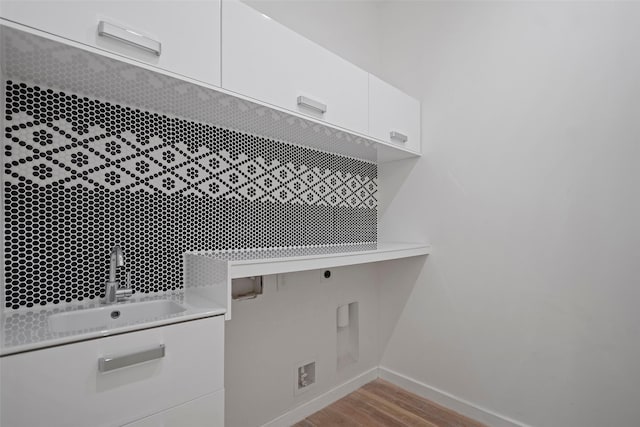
(400, 137)
(129, 37)
(310, 103)
(106, 364)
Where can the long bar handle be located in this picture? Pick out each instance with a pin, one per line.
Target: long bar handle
(310, 103)
(400, 137)
(106, 364)
(129, 37)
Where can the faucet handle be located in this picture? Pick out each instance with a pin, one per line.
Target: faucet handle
(127, 283)
(125, 290)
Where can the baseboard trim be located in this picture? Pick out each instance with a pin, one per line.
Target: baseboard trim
(447, 400)
(325, 399)
(443, 398)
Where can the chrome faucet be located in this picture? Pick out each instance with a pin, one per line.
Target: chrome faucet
(112, 291)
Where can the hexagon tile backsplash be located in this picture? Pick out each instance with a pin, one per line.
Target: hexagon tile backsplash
(84, 174)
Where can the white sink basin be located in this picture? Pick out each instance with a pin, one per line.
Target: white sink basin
(113, 315)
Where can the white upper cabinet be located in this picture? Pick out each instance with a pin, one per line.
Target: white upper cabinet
(228, 44)
(394, 116)
(265, 60)
(178, 36)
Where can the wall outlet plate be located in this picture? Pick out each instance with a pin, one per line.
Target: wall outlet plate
(246, 288)
(305, 376)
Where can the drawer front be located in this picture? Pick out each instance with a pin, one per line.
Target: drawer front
(392, 111)
(205, 411)
(265, 60)
(189, 31)
(63, 386)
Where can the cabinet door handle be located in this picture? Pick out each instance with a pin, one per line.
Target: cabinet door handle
(106, 364)
(400, 137)
(310, 103)
(129, 37)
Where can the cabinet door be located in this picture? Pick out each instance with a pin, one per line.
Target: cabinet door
(64, 386)
(205, 411)
(266, 61)
(189, 31)
(394, 116)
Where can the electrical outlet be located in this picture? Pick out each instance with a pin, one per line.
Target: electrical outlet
(305, 376)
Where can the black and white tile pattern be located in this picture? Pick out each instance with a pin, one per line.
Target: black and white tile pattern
(83, 174)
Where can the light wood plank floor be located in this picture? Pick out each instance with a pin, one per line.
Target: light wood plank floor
(382, 404)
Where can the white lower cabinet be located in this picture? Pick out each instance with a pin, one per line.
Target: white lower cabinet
(205, 411)
(66, 385)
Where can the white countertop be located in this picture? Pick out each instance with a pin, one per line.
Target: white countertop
(264, 262)
(28, 329)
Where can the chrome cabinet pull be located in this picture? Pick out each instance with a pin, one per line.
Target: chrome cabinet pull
(129, 37)
(310, 103)
(106, 364)
(400, 137)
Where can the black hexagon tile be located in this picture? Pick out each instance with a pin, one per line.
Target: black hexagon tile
(82, 174)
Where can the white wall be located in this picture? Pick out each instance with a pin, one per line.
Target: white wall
(294, 321)
(529, 192)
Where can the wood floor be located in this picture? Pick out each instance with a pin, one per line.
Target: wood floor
(381, 403)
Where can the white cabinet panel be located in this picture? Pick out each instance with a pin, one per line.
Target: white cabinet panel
(189, 31)
(205, 411)
(393, 111)
(266, 61)
(62, 386)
